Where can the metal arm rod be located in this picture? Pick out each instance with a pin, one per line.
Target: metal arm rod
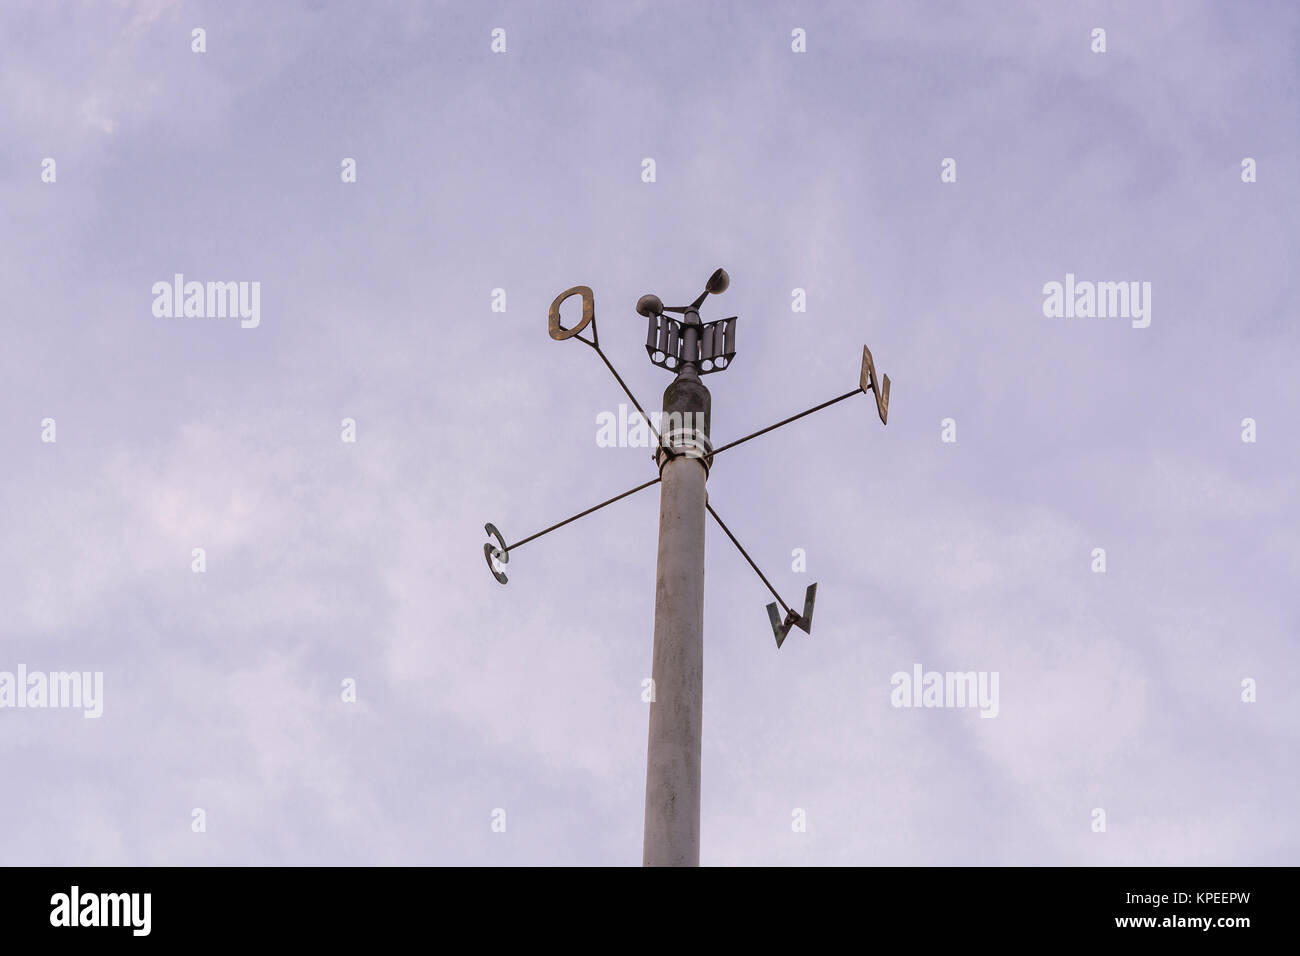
(531, 537)
(595, 344)
(786, 421)
(628, 392)
(747, 557)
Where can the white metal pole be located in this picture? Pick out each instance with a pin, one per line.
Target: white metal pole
(672, 793)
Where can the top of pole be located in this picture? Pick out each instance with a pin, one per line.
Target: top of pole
(675, 343)
(689, 348)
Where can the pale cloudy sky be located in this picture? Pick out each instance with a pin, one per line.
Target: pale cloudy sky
(522, 171)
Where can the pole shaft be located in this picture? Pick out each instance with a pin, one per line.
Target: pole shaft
(672, 783)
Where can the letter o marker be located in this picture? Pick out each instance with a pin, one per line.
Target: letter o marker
(559, 332)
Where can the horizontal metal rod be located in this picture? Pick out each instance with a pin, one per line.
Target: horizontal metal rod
(532, 537)
(747, 557)
(786, 421)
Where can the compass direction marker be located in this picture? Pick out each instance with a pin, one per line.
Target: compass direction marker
(801, 621)
(867, 383)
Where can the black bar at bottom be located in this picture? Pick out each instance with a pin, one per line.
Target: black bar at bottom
(977, 908)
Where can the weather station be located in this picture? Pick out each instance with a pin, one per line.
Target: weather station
(679, 341)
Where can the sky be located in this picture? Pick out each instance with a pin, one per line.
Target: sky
(345, 683)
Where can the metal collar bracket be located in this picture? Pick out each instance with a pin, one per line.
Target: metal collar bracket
(685, 443)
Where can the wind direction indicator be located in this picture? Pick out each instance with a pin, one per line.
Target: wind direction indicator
(689, 348)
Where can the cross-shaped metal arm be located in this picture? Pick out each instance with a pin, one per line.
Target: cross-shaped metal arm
(499, 555)
(708, 347)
